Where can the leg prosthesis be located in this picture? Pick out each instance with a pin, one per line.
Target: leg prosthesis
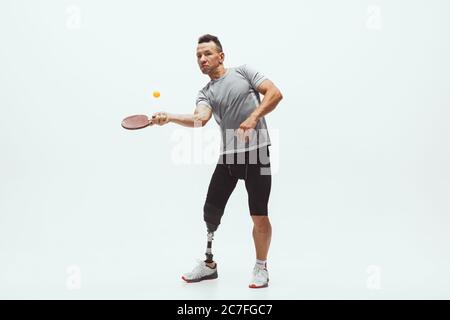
(212, 216)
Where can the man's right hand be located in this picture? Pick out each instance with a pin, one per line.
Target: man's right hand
(160, 118)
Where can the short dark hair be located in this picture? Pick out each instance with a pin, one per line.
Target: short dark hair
(210, 37)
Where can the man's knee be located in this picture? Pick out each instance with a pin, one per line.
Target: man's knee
(212, 216)
(261, 222)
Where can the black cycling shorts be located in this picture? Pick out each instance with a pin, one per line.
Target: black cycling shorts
(251, 166)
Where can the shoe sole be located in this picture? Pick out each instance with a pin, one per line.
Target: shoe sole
(210, 277)
(254, 286)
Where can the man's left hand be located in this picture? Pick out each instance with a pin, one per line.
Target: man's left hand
(246, 128)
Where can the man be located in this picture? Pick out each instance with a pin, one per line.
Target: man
(232, 96)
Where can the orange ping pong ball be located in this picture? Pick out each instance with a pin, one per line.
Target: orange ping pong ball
(156, 94)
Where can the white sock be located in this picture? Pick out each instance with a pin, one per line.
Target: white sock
(262, 264)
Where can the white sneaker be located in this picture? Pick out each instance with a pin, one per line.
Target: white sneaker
(260, 278)
(201, 272)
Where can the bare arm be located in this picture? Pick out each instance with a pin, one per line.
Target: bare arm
(272, 96)
(201, 116)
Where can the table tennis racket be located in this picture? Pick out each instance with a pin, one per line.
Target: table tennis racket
(138, 121)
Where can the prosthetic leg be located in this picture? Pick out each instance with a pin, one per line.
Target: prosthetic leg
(209, 255)
(212, 216)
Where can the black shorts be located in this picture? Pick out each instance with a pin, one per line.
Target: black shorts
(251, 166)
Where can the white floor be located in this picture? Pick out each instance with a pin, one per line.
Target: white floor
(307, 262)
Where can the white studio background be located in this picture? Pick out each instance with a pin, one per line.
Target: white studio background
(359, 201)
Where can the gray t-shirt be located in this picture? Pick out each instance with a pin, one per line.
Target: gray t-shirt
(232, 98)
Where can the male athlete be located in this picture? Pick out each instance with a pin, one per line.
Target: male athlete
(232, 96)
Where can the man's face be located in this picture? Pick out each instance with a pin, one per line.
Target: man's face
(208, 57)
